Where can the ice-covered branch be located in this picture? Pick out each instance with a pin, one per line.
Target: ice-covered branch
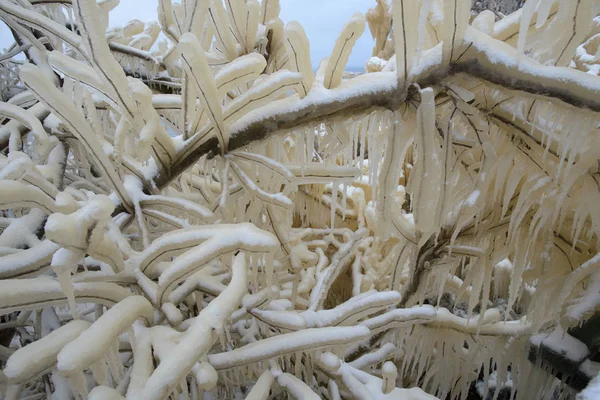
(486, 58)
(271, 231)
(199, 337)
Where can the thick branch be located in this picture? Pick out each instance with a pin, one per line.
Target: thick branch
(384, 93)
(486, 58)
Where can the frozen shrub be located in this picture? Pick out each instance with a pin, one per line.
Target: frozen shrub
(190, 211)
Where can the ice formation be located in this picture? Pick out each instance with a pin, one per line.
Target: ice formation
(189, 211)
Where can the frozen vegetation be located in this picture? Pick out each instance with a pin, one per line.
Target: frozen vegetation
(189, 211)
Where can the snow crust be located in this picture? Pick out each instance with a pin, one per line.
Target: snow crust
(562, 343)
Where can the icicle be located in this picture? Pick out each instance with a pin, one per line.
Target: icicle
(114, 363)
(98, 311)
(294, 296)
(526, 16)
(422, 32)
(79, 384)
(100, 372)
(356, 275)
(224, 185)
(374, 157)
(309, 367)
(310, 146)
(519, 267)
(184, 390)
(66, 284)
(254, 267)
(240, 375)
(344, 200)
(268, 261)
(362, 136)
(334, 191)
(298, 148)
(298, 365)
(427, 178)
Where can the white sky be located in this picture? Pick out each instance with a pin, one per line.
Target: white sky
(322, 20)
